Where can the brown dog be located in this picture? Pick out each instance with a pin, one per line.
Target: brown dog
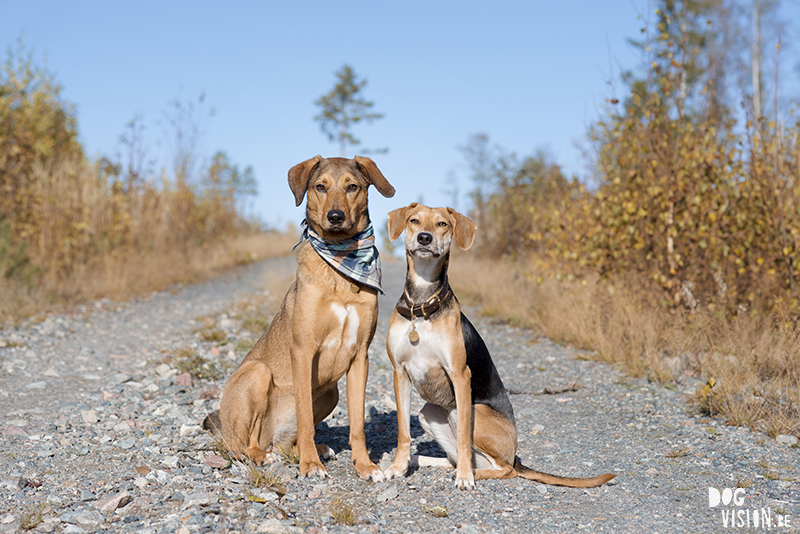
(287, 384)
(434, 346)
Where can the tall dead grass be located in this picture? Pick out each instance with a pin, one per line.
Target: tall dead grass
(87, 236)
(754, 360)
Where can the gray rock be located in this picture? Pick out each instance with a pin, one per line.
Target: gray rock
(786, 439)
(127, 443)
(86, 519)
(90, 519)
(199, 499)
(120, 378)
(388, 494)
(87, 495)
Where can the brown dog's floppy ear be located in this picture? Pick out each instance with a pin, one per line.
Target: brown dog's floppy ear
(397, 221)
(374, 175)
(298, 177)
(463, 229)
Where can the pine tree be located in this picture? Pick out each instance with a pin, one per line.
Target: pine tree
(343, 107)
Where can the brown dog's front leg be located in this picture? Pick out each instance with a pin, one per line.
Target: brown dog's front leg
(302, 361)
(461, 384)
(356, 391)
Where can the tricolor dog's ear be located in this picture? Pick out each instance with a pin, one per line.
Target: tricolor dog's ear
(299, 175)
(463, 229)
(397, 220)
(374, 175)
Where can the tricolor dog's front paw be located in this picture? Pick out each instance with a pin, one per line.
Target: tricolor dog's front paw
(465, 483)
(396, 470)
(325, 452)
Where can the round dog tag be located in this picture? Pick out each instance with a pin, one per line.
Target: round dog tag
(413, 336)
(354, 288)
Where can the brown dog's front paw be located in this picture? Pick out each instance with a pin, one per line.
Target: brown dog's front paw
(371, 471)
(312, 469)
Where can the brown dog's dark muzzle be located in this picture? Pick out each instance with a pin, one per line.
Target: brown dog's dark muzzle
(335, 217)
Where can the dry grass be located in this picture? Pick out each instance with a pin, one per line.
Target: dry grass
(290, 455)
(127, 272)
(342, 512)
(86, 236)
(187, 360)
(31, 519)
(755, 360)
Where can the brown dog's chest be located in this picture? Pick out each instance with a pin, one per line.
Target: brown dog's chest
(340, 344)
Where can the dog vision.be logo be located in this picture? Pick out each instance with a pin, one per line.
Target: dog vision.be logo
(734, 516)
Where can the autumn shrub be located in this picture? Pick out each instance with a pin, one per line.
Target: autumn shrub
(708, 215)
(72, 228)
(678, 257)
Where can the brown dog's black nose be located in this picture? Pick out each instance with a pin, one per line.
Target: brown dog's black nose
(336, 217)
(424, 238)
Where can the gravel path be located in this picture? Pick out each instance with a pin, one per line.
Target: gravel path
(98, 434)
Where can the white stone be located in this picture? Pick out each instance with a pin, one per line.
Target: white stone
(170, 462)
(272, 526)
(89, 416)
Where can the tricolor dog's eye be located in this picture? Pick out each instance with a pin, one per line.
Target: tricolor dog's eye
(441, 224)
(352, 188)
(414, 221)
(320, 188)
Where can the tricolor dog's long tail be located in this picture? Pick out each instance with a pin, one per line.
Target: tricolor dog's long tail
(554, 480)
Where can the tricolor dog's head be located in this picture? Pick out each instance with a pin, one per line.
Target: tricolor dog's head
(337, 193)
(430, 231)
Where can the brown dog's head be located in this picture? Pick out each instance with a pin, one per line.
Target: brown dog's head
(337, 193)
(430, 231)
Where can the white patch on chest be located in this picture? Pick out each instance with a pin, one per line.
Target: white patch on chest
(346, 335)
(432, 350)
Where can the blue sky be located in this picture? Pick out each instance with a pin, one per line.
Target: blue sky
(529, 74)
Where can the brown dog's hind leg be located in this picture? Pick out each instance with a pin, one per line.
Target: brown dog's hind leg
(243, 412)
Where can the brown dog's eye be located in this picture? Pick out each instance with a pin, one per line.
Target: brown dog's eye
(414, 221)
(320, 188)
(442, 224)
(352, 188)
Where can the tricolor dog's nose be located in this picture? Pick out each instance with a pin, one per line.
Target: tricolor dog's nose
(336, 217)
(424, 238)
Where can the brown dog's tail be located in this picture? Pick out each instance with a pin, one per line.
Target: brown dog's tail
(213, 423)
(553, 480)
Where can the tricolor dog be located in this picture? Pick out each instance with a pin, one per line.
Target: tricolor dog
(433, 346)
(287, 384)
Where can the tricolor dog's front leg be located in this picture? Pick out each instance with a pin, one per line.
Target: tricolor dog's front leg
(461, 377)
(356, 391)
(402, 394)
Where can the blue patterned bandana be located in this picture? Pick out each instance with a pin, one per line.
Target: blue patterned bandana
(356, 258)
